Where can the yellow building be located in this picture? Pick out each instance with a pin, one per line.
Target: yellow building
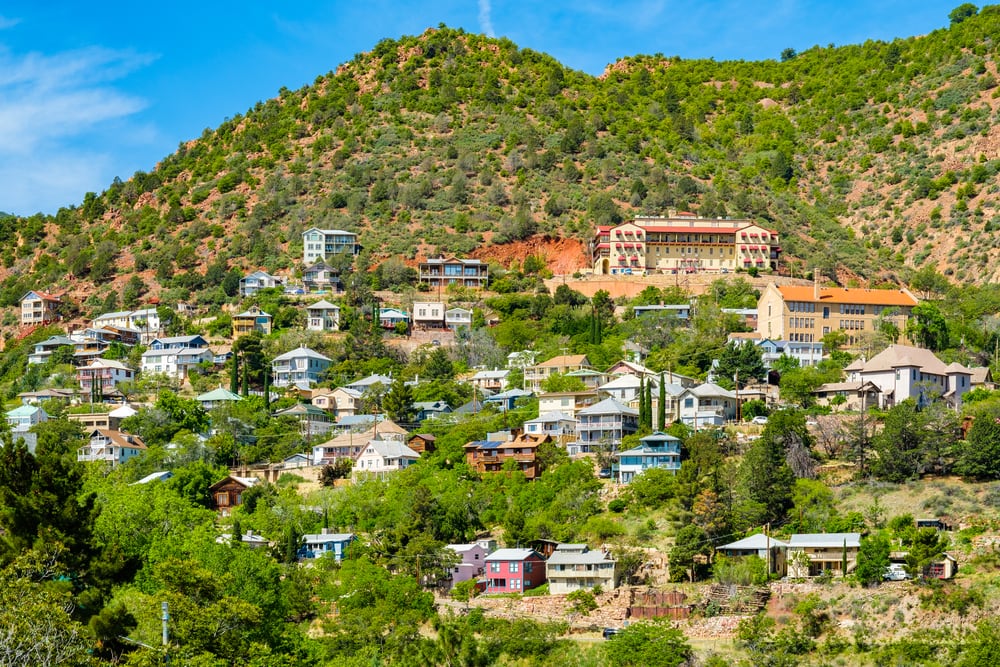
(806, 313)
(684, 243)
(252, 320)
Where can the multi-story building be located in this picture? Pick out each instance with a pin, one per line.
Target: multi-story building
(605, 424)
(323, 316)
(112, 447)
(514, 571)
(444, 271)
(176, 355)
(574, 567)
(684, 243)
(251, 320)
(656, 450)
(301, 367)
(535, 375)
(318, 244)
(491, 454)
(256, 281)
(428, 315)
(104, 373)
(39, 308)
(806, 313)
(900, 372)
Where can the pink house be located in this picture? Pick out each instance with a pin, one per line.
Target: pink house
(472, 563)
(514, 570)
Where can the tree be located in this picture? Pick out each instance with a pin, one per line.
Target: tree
(924, 548)
(982, 647)
(742, 360)
(398, 402)
(964, 11)
(873, 559)
(900, 444)
(788, 54)
(979, 455)
(438, 366)
(691, 541)
(649, 644)
(765, 479)
(928, 327)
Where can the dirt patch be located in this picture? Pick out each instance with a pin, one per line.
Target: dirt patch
(562, 256)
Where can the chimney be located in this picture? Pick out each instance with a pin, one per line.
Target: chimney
(816, 277)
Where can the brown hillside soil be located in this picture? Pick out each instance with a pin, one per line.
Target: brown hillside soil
(562, 256)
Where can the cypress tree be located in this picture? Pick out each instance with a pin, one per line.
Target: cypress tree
(661, 407)
(649, 405)
(246, 380)
(234, 374)
(642, 402)
(267, 387)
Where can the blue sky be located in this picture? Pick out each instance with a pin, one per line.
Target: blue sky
(90, 91)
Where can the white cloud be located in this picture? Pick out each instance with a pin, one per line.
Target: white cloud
(485, 18)
(6, 22)
(52, 106)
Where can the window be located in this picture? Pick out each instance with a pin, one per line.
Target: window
(527, 566)
(495, 566)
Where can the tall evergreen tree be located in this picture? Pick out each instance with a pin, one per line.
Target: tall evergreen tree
(234, 374)
(661, 406)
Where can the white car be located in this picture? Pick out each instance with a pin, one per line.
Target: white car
(759, 419)
(895, 572)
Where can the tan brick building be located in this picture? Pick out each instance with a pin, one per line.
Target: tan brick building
(807, 313)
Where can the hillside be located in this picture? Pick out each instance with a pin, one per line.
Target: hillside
(870, 159)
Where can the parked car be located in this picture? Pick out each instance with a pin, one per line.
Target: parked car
(611, 632)
(604, 473)
(759, 419)
(895, 572)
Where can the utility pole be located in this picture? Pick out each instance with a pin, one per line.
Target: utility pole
(165, 616)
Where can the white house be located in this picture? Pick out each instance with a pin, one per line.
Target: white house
(110, 446)
(901, 372)
(457, 317)
(323, 316)
(706, 405)
(24, 417)
(322, 277)
(428, 314)
(560, 426)
(490, 380)
(256, 281)
(567, 402)
(574, 567)
(472, 563)
(176, 362)
(301, 367)
(603, 424)
(809, 555)
(120, 318)
(105, 373)
(380, 457)
(318, 244)
(44, 349)
(624, 388)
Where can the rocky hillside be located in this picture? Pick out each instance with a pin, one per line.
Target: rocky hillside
(871, 160)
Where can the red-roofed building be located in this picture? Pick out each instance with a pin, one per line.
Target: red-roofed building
(684, 243)
(39, 308)
(806, 313)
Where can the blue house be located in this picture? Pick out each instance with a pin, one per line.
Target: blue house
(657, 450)
(507, 400)
(316, 545)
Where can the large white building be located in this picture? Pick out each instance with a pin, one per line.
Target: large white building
(319, 244)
